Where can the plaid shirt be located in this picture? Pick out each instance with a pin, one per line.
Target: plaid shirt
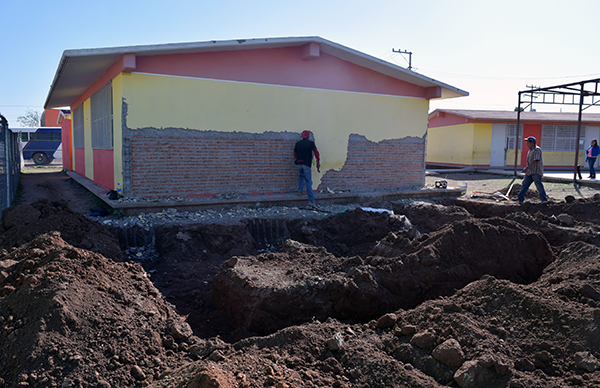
(535, 154)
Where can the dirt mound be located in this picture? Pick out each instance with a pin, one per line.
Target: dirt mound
(21, 224)
(349, 233)
(561, 228)
(492, 333)
(271, 291)
(427, 216)
(70, 317)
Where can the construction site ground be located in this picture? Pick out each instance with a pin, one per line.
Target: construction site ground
(463, 290)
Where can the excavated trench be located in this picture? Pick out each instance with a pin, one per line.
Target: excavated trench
(260, 275)
(184, 259)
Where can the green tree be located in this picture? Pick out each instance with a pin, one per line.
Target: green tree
(31, 118)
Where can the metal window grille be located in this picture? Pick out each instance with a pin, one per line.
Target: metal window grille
(78, 135)
(512, 129)
(560, 137)
(102, 118)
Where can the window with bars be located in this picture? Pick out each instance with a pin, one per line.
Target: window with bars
(560, 137)
(102, 118)
(512, 129)
(78, 137)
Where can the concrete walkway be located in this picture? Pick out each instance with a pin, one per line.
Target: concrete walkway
(551, 176)
(135, 206)
(132, 206)
(558, 176)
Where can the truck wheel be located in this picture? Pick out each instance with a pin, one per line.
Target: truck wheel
(40, 158)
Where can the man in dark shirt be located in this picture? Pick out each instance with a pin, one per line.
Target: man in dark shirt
(303, 153)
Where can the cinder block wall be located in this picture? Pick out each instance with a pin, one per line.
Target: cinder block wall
(389, 164)
(185, 162)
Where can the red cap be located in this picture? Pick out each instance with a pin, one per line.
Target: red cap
(305, 134)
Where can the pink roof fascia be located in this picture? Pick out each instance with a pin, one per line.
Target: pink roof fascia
(302, 66)
(447, 117)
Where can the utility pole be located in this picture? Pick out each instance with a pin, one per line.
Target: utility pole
(409, 56)
(532, 97)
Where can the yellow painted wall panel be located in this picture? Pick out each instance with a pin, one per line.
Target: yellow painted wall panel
(558, 158)
(482, 143)
(178, 102)
(87, 135)
(117, 95)
(551, 158)
(510, 158)
(452, 144)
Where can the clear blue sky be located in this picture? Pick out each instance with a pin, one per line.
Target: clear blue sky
(492, 49)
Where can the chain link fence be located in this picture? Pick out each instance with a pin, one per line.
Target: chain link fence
(10, 164)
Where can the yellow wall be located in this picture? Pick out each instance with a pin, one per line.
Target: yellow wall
(564, 158)
(482, 143)
(164, 101)
(452, 144)
(117, 93)
(87, 136)
(470, 144)
(510, 158)
(551, 158)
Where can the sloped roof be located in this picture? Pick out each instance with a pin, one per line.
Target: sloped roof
(79, 69)
(511, 116)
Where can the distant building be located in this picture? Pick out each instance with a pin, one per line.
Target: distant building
(196, 119)
(51, 117)
(486, 138)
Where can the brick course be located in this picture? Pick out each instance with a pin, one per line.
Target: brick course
(194, 163)
(389, 164)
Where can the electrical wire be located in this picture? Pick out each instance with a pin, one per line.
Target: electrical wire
(483, 77)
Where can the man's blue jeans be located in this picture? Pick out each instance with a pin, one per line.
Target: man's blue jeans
(527, 181)
(305, 178)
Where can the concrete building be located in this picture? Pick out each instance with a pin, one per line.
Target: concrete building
(198, 119)
(486, 138)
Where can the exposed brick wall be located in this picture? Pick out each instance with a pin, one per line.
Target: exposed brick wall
(397, 163)
(188, 162)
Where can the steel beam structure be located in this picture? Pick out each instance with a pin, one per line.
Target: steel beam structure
(585, 94)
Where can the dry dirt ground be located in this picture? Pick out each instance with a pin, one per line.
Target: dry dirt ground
(473, 291)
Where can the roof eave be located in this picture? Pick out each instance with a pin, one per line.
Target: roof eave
(104, 57)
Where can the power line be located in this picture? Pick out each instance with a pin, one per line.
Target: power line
(469, 76)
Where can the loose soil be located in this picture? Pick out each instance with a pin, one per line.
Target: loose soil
(462, 292)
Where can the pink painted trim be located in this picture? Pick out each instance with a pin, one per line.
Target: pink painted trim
(281, 66)
(444, 119)
(126, 63)
(104, 172)
(80, 161)
(310, 51)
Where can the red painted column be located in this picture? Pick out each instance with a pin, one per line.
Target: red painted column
(534, 130)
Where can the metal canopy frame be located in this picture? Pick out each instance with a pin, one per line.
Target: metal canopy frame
(585, 94)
